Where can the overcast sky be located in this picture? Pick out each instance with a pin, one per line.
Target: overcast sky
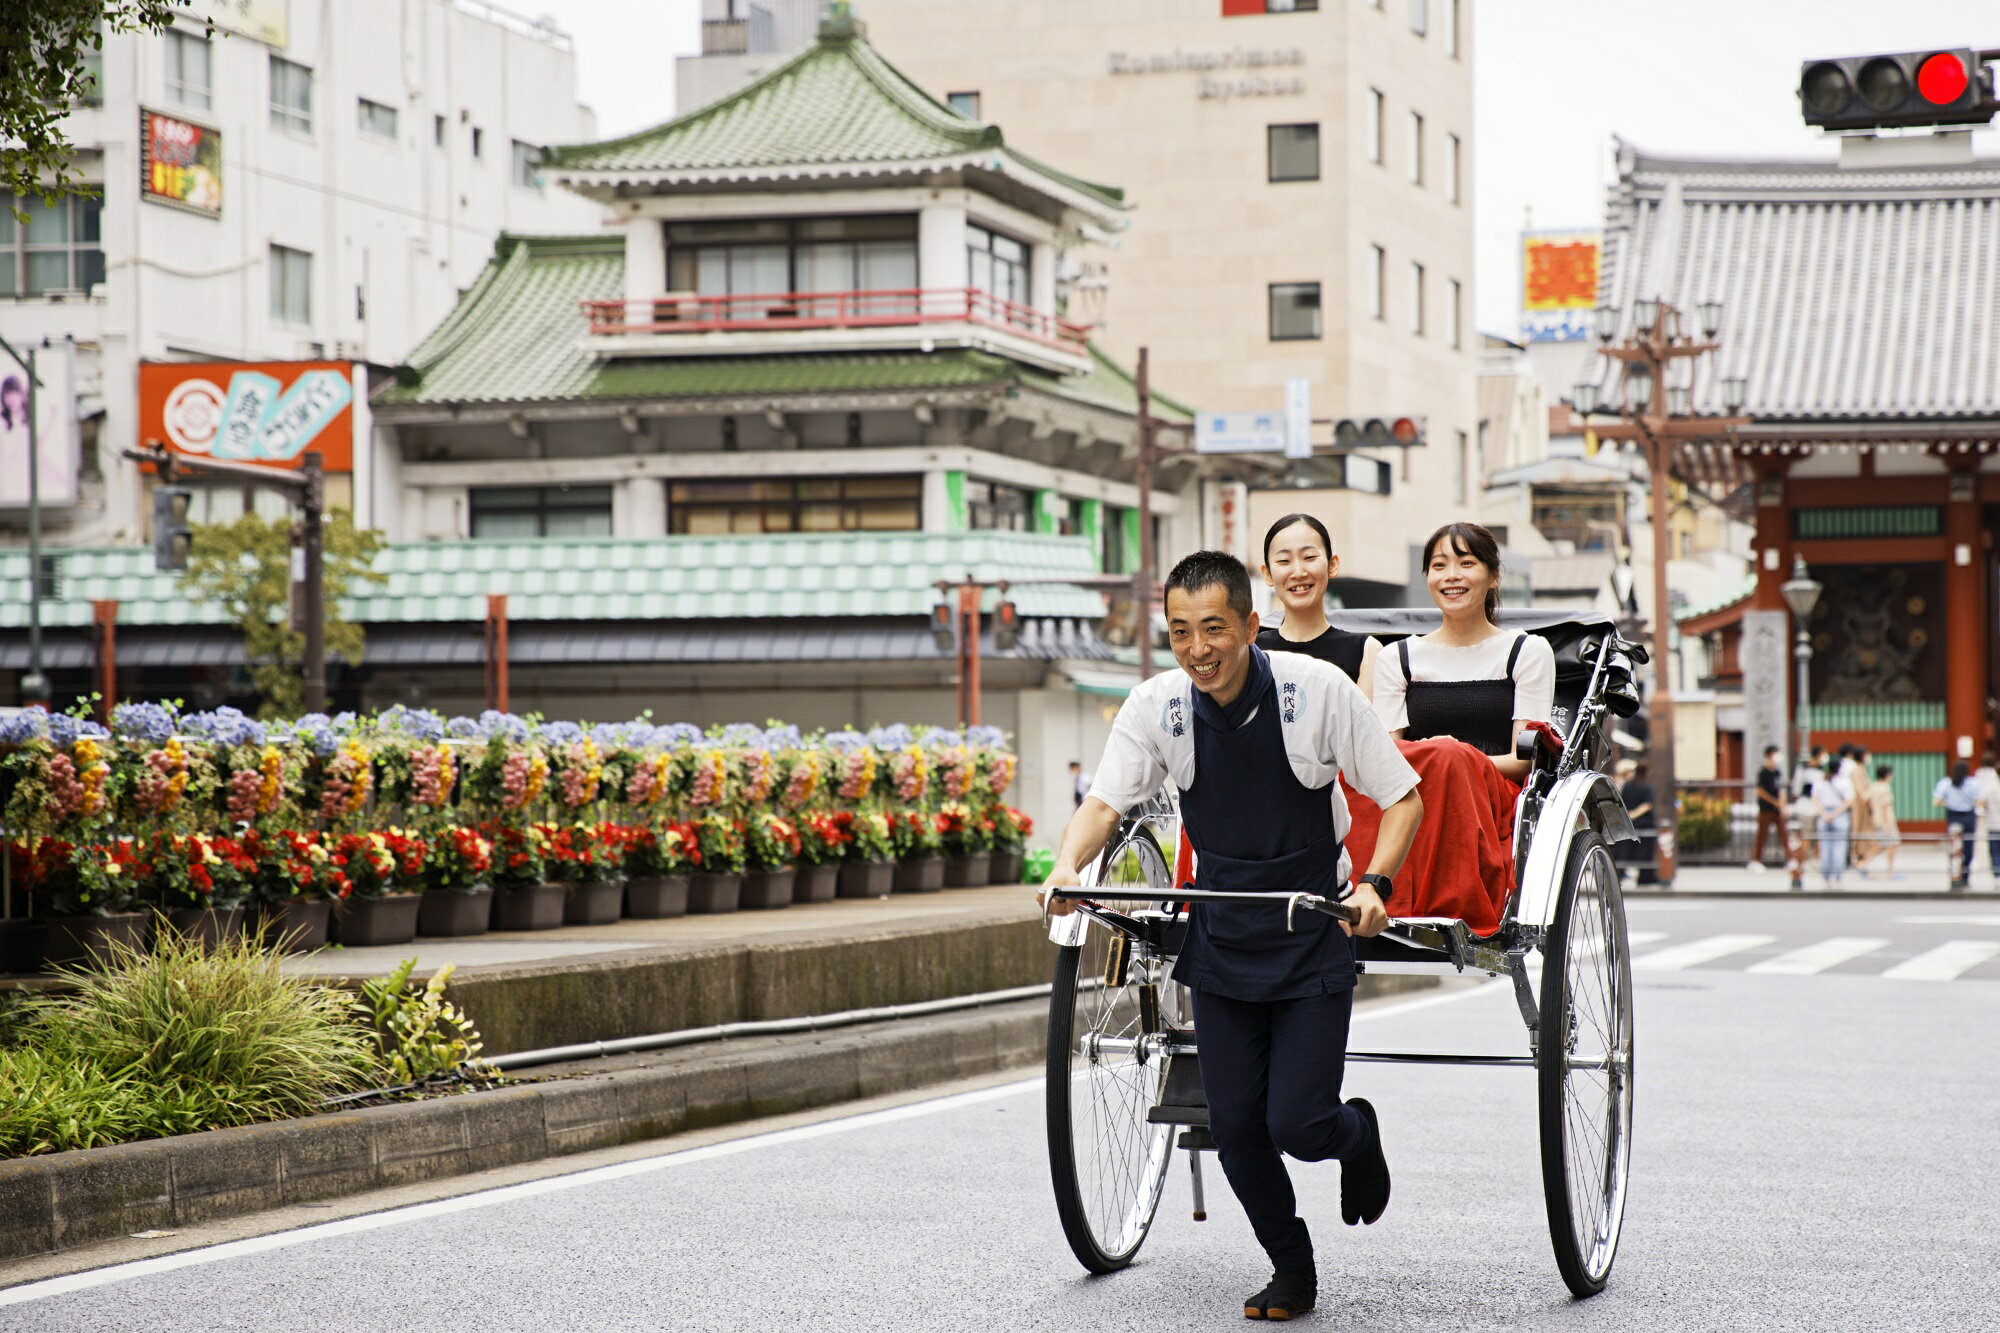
(1554, 80)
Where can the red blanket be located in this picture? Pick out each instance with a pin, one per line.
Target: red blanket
(1461, 863)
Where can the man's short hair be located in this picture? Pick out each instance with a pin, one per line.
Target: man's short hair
(1206, 569)
(1770, 750)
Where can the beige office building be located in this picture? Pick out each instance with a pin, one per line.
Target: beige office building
(1301, 182)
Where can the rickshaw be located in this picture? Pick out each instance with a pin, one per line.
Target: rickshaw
(1124, 1084)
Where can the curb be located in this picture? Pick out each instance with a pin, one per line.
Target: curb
(65, 1200)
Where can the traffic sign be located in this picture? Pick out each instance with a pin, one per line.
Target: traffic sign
(1239, 433)
(1298, 418)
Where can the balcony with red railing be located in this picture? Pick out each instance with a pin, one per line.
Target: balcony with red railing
(689, 324)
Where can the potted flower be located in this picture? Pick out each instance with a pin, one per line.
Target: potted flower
(919, 860)
(771, 849)
(527, 894)
(199, 883)
(597, 889)
(93, 906)
(383, 907)
(457, 899)
(658, 862)
(43, 869)
(297, 883)
(1011, 828)
(868, 853)
(822, 846)
(966, 839)
(717, 885)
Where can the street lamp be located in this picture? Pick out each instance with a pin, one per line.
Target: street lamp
(1801, 593)
(1639, 386)
(1735, 389)
(1583, 397)
(1679, 399)
(1645, 313)
(1606, 323)
(1709, 313)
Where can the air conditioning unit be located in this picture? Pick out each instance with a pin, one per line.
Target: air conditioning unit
(344, 350)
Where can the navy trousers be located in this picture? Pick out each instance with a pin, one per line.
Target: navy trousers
(1271, 1071)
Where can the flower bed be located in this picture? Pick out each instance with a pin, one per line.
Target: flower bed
(214, 810)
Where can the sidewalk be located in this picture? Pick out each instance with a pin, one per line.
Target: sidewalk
(1920, 873)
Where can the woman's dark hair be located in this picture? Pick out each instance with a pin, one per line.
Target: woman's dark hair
(1325, 539)
(1205, 569)
(1475, 541)
(1882, 772)
(12, 386)
(1961, 773)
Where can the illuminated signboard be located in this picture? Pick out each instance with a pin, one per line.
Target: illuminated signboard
(1558, 284)
(180, 163)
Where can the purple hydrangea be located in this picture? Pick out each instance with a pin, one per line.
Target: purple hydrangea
(742, 733)
(225, 726)
(561, 733)
(679, 733)
(316, 730)
(942, 739)
(27, 725)
(783, 738)
(465, 728)
(991, 738)
(844, 740)
(417, 723)
(67, 730)
(144, 721)
(638, 734)
(891, 737)
(493, 722)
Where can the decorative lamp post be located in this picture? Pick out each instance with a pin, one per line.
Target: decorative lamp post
(1801, 593)
(1659, 419)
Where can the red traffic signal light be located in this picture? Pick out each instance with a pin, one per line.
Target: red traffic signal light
(1006, 627)
(1953, 87)
(944, 627)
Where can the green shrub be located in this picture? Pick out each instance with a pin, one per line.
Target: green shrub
(52, 1103)
(420, 1035)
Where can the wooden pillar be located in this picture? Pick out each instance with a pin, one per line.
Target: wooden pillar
(1965, 613)
(104, 614)
(1774, 535)
(496, 650)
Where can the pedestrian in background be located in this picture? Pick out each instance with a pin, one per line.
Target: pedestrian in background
(1079, 781)
(1810, 769)
(1770, 809)
(1637, 794)
(1884, 835)
(1834, 802)
(1987, 777)
(1958, 797)
(1860, 839)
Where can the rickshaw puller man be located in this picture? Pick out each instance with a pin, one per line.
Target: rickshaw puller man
(1256, 744)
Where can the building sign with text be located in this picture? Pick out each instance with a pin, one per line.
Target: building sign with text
(267, 412)
(180, 163)
(1558, 284)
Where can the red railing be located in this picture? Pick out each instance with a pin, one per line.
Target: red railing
(766, 312)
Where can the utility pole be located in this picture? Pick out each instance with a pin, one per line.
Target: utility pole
(1142, 580)
(34, 682)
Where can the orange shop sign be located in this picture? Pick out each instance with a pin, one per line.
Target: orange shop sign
(268, 412)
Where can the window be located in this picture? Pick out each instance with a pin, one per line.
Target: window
(1416, 149)
(996, 264)
(1294, 310)
(965, 104)
(1420, 17)
(478, 142)
(1373, 130)
(90, 87)
(988, 504)
(291, 96)
(377, 119)
(1417, 298)
(58, 250)
(1454, 314)
(541, 511)
(1378, 269)
(1239, 8)
(188, 79)
(1451, 28)
(774, 256)
(437, 131)
(1111, 541)
(1451, 150)
(1462, 469)
(1293, 152)
(527, 166)
(291, 286)
(795, 504)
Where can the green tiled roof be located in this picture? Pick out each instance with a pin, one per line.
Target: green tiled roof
(1717, 603)
(837, 102)
(794, 575)
(515, 337)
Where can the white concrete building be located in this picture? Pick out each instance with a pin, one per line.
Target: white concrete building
(309, 181)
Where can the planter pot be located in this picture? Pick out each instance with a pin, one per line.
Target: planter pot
(924, 874)
(714, 893)
(595, 903)
(816, 884)
(85, 939)
(391, 919)
(539, 907)
(22, 943)
(867, 879)
(766, 889)
(297, 925)
(1006, 868)
(449, 912)
(209, 925)
(652, 897)
(967, 872)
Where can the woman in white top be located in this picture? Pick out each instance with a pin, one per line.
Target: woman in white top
(1469, 679)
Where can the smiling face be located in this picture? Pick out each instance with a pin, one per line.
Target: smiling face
(1210, 641)
(1458, 579)
(1298, 565)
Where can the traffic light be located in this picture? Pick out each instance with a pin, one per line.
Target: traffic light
(171, 536)
(1952, 87)
(944, 630)
(1378, 432)
(1006, 627)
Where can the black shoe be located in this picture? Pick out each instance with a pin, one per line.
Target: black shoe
(1364, 1182)
(1285, 1295)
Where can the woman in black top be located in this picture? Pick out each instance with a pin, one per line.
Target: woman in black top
(1298, 563)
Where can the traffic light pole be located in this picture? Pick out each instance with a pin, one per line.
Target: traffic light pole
(1142, 578)
(34, 683)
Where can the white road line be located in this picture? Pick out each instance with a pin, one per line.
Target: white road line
(1815, 958)
(1635, 938)
(347, 1226)
(1947, 962)
(1950, 919)
(1696, 952)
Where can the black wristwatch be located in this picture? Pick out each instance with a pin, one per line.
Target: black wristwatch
(1382, 884)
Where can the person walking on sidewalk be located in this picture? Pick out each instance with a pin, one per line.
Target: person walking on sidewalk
(1884, 835)
(1256, 744)
(1958, 797)
(1987, 777)
(1834, 803)
(1770, 809)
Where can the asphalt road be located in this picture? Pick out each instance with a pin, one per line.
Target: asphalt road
(1814, 1150)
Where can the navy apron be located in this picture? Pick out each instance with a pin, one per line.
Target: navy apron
(1255, 827)
(1478, 712)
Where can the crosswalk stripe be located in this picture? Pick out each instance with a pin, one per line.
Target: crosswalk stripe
(1947, 962)
(1697, 952)
(1819, 957)
(1635, 938)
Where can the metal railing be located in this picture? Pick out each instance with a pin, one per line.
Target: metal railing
(761, 312)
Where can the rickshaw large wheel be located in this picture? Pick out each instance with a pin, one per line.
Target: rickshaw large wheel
(1108, 1010)
(1584, 1066)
